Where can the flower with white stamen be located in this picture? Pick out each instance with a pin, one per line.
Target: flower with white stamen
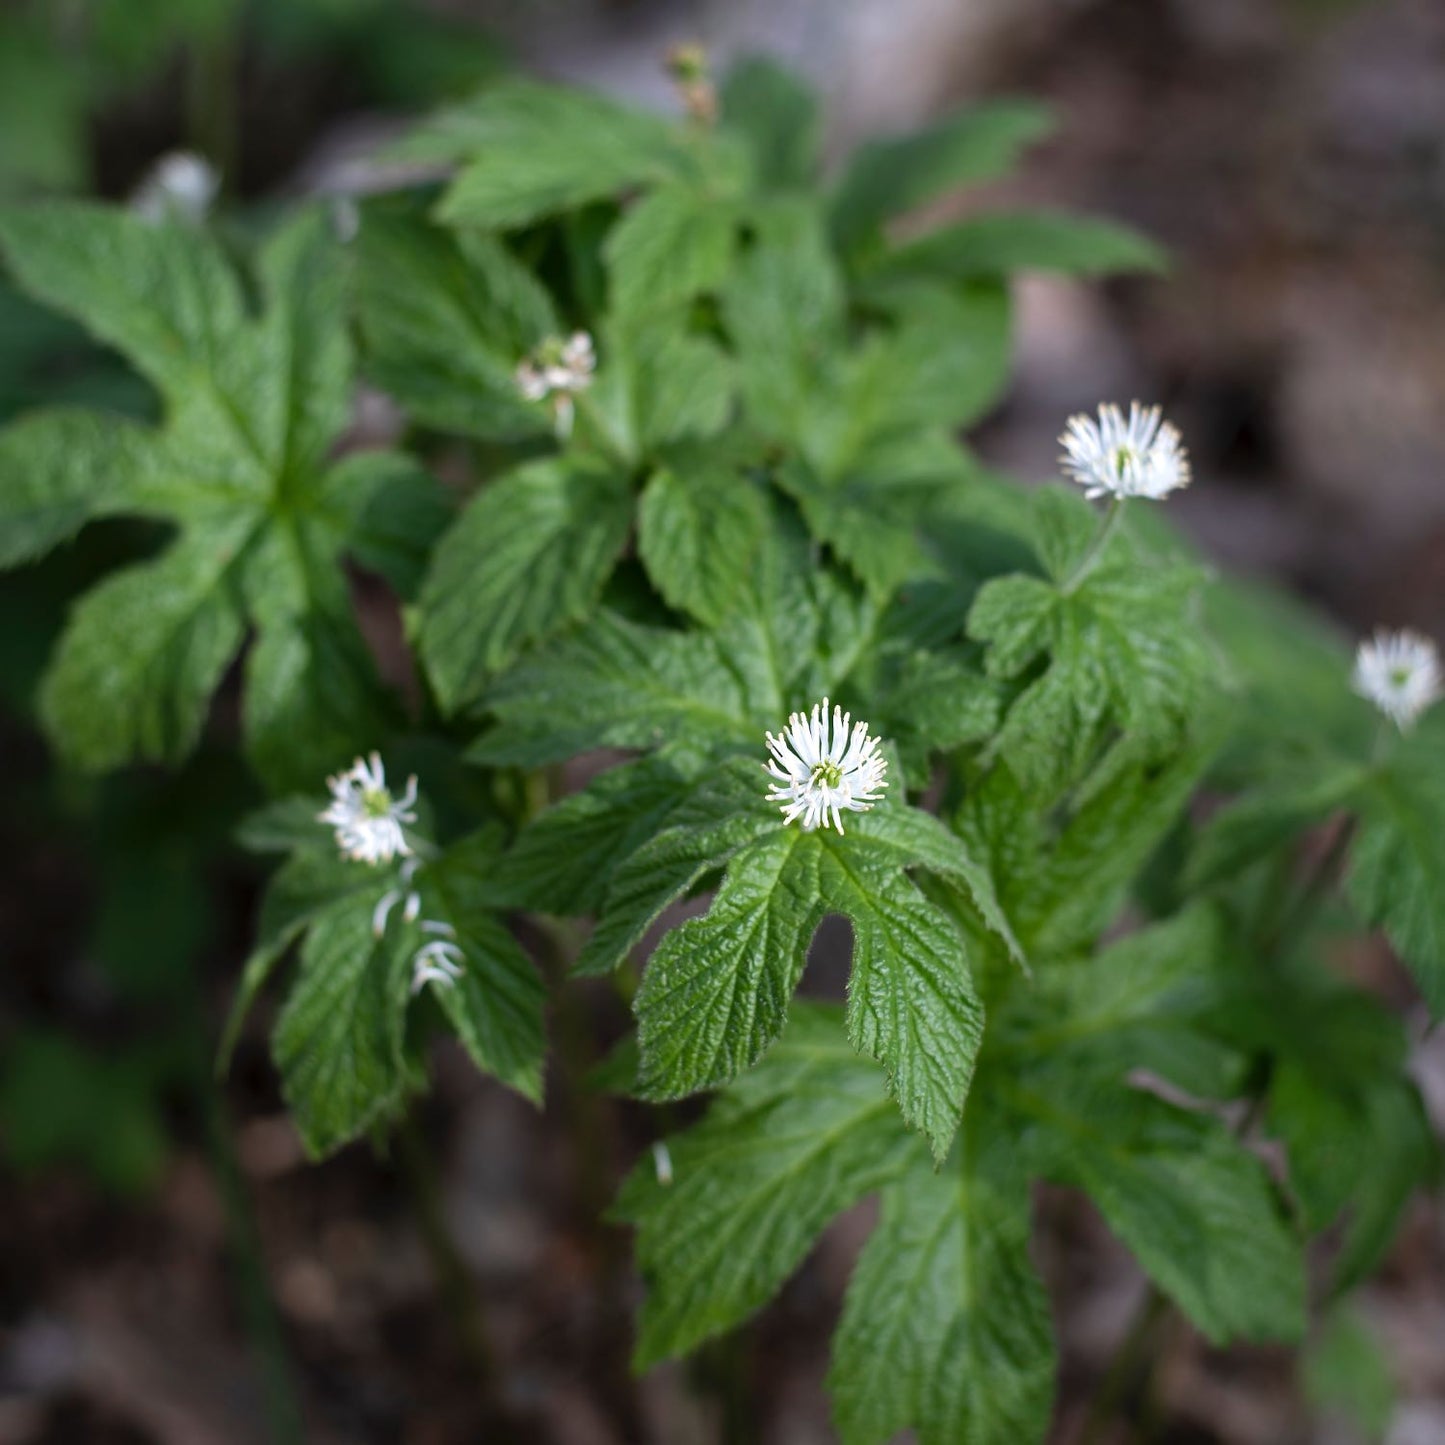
(662, 1161)
(1138, 457)
(1400, 673)
(824, 765)
(367, 819)
(439, 962)
(558, 369)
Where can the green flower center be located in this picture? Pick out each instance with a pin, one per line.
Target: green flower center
(1124, 458)
(826, 774)
(376, 802)
(1399, 676)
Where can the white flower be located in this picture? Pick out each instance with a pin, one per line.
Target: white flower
(367, 819)
(822, 767)
(179, 187)
(1400, 673)
(1140, 457)
(558, 369)
(662, 1161)
(440, 961)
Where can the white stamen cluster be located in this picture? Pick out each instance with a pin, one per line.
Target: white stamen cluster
(1138, 457)
(558, 369)
(440, 961)
(388, 900)
(1400, 673)
(825, 766)
(181, 186)
(367, 819)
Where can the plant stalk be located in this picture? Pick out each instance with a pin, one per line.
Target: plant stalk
(1097, 548)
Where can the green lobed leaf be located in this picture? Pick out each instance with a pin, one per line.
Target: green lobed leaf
(1398, 860)
(446, 318)
(778, 117)
(143, 651)
(1120, 642)
(1002, 242)
(339, 1043)
(615, 683)
(530, 150)
(496, 1005)
(162, 294)
(527, 556)
(787, 1147)
(674, 244)
(946, 1327)
(717, 989)
(58, 471)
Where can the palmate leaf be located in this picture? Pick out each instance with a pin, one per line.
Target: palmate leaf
(717, 989)
(253, 405)
(945, 1327)
(1119, 645)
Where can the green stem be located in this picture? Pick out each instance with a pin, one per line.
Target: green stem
(1090, 559)
(211, 69)
(453, 1277)
(263, 1326)
(1132, 1361)
(1312, 891)
(258, 1308)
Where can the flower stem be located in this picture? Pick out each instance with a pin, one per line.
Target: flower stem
(1101, 541)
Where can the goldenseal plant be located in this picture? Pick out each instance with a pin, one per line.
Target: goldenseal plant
(717, 610)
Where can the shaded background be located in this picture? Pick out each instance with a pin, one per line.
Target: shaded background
(171, 1270)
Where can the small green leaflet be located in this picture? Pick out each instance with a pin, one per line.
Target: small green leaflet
(529, 150)
(340, 1040)
(1000, 243)
(946, 1325)
(1398, 861)
(699, 528)
(1064, 873)
(674, 244)
(886, 178)
(778, 118)
(445, 320)
(1118, 644)
(253, 404)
